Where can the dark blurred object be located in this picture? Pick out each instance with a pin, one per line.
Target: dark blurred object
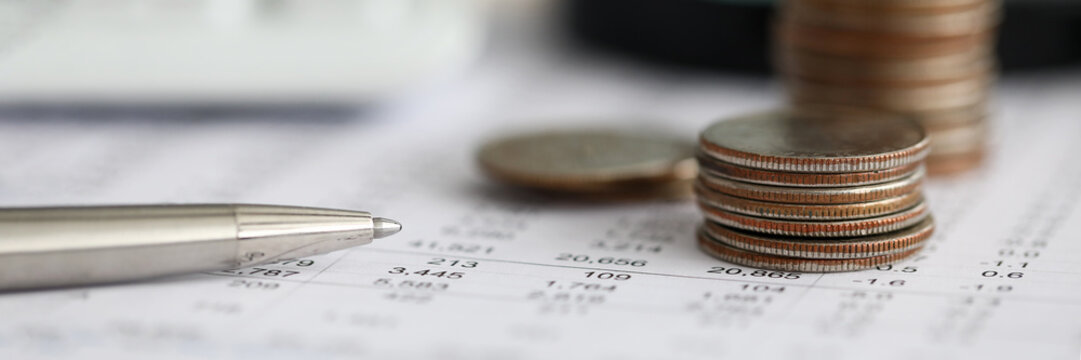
(716, 34)
(734, 35)
(1040, 33)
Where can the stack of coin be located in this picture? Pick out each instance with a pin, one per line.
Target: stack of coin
(929, 59)
(593, 164)
(815, 192)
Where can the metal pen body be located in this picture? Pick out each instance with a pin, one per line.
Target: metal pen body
(60, 246)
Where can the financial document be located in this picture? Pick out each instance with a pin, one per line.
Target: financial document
(486, 272)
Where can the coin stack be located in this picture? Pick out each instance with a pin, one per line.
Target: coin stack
(813, 192)
(928, 59)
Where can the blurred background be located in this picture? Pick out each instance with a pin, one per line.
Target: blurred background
(245, 52)
(142, 101)
(734, 35)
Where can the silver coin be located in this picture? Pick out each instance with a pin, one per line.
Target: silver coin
(816, 248)
(816, 143)
(816, 195)
(716, 168)
(734, 255)
(838, 228)
(814, 212)
(588, 160)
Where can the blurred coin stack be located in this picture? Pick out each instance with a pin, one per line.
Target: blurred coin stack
(928, 59)
(814, 192)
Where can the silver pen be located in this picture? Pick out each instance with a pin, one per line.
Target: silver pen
(63, 246)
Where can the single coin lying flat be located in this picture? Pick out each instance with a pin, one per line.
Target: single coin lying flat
(817, 195)
(589, 160)
(796, 211)
(734, 255)
(835, 228)
(815, 248)
(714, 168)
(809, 143)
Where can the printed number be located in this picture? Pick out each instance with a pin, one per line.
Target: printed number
(574, 285)
(1000, 288)
(890, 283)
(734, 271)
(761, 288)
(426, 272)
(1020, 264)
(625, 246)
(253, 284)
(889, 267)
(409, 284)
(296, 262)
(453, 262)
(604, 260)
(452, 247)
(263, 272)
(1025, 254)
(1012, 275)
(607, 276)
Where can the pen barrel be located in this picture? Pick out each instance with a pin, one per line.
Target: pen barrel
(45, 247)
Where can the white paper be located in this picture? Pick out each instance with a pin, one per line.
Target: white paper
(1001, 279)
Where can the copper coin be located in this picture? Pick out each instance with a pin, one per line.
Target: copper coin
(956, 163)
(930, 120)
(835, 228)
(814, 248)
(816, 143)
(783, 263)
(902, 6)
(951, 118)
(963, 20)
(716, 168)
(959, 139)
(818, 195)
(592, 161)
(891, 73)
(815, 212)
(898, 99)
(869, 45)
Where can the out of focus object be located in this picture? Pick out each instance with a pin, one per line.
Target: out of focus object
(929, 60)
(599, 163)
(825, 192)
(725, 34)
(66, 246)
(235, 51)
(734, 34)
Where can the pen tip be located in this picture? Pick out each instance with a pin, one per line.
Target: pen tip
(385, 227)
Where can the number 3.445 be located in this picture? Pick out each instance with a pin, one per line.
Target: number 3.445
(426, 272)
